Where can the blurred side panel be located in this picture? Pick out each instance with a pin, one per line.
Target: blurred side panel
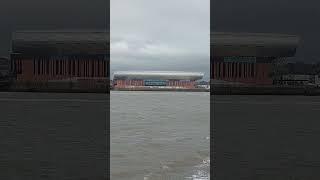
(264, 98)
(55, 91)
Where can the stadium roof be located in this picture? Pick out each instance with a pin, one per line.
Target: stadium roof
(253, 44)
(60, 42)
(161, 75)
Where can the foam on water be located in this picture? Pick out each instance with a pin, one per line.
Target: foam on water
(202, 171)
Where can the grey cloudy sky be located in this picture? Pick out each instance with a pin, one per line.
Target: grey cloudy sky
(160, 35)
(18, 15)
(272, 16)
(165, 34)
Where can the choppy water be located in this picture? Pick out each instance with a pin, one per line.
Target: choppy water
(154, 135)
(53, 135)
(160, 135)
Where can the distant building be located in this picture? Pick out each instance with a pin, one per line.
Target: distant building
(156, 79)
(247, 58)
(4, 72)
(204, 86)
(203, 83)
(60, 56)
(4, 66)
(297, 80)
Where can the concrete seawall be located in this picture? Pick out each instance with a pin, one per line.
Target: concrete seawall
(59, 87)
(72, 87)
(264, 90)
(160, 89)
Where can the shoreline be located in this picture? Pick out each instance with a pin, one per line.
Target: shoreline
(217, 90)
(265, 90)
(163, 90)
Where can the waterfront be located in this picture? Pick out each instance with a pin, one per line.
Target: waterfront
(266, 137)
(154, 134)
(53, 135)
(160, 135)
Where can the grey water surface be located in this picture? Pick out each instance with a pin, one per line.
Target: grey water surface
(160, 135)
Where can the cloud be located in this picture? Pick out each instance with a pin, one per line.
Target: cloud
(160, 35)
(149, 49)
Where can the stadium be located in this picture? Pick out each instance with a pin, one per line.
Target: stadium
(57, 58)
(156, 79)
(248, 58)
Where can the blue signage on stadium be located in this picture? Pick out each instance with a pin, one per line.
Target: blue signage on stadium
(155, 82)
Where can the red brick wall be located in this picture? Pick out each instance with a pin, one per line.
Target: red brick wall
(59, 69)
(125, 83)
(177, 83)
(250, 73)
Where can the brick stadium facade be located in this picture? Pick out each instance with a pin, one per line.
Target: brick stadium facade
(247, 58)
(46, 68)
(44, 57)
(156, 79)
(120, 83)
(254, 72)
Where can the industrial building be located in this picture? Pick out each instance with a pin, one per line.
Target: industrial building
(297, 80)
(156, 79)
(247, 58)
(52, 56)
(4, 66)
(4, 72)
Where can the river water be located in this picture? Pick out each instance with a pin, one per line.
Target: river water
(154, 135)
(160, 135)
(157, 135)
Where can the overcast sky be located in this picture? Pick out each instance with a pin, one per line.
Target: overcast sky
(295, 17)
(165, 34)
(160, 35)
(18, 15)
